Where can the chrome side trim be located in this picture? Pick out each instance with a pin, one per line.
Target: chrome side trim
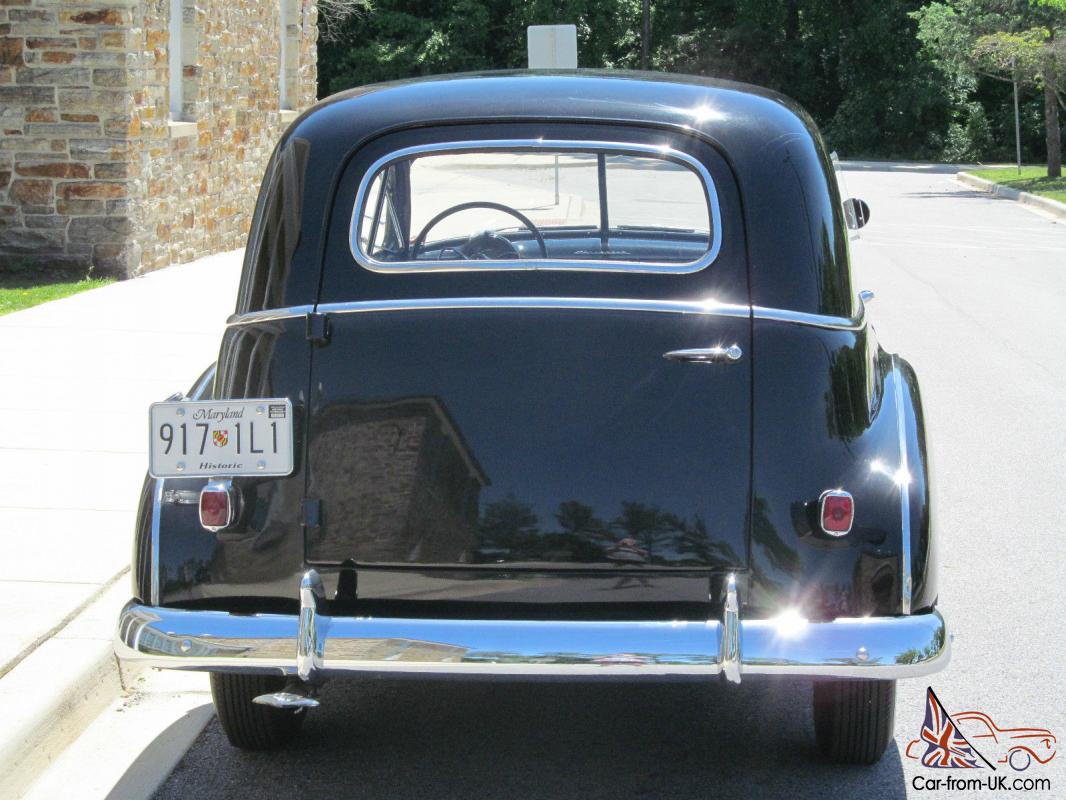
(904, 481)
(535, 145)
(269, 315)
(729, 657)
(876, 647)
(309, 647)
(813, 320)
(711, 307)
(157, 511)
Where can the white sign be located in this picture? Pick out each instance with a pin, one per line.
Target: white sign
(552, 46)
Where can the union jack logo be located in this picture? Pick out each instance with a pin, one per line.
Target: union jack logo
(946, 747)
(220, 438)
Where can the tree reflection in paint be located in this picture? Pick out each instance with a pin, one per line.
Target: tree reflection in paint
(639, 535)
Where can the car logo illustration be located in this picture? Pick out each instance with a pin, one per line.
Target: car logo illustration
(952, 741)
(220, 438)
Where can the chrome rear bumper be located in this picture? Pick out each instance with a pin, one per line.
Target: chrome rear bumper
(312, 645)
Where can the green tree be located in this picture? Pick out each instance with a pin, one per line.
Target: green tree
(858, 68)
(1023, 40)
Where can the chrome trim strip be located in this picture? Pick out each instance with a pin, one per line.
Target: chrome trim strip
(157, 510)
(583, 303)
(729, 657)
(813, 320)
(200, 388)
(877, 647)
(712, 307)
(309, 647)
(904, 482)
(269, 315)
(534, 145)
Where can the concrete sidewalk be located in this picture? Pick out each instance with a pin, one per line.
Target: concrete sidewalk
(78, 375)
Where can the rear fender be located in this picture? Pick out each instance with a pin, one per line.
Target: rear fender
(832, 411)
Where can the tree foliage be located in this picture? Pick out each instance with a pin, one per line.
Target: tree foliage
(1009, 40)
(871, 82)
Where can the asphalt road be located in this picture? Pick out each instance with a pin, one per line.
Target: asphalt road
(971, 290)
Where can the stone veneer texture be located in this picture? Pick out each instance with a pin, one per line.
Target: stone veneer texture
(94, 173)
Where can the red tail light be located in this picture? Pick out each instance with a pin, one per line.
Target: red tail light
(837, 512)
(218, 507)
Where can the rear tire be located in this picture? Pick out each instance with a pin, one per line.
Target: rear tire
(247, 725)
(854, 719)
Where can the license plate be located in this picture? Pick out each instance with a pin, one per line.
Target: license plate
(225, 437)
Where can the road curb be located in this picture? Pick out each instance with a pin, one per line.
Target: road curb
(1046, 204)
(57, 690)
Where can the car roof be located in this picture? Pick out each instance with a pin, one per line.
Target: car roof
(730, 113)
(787, 200)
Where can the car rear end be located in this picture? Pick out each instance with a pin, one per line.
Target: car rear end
(537, 424)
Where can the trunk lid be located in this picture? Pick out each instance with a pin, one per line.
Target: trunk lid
(521, 437)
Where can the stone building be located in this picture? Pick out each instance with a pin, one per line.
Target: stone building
(134, 133)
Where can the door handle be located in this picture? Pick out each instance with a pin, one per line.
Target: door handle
(707, 355)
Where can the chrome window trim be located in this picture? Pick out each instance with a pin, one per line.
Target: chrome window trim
(711, 307)
(535, 145)
(904, 492)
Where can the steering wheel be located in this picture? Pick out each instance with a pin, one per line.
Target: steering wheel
(484, 237)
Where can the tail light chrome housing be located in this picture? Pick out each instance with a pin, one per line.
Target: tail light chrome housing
(218, 504)
(836, 511)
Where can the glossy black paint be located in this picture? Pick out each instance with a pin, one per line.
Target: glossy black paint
(263, 555)
(792, 217)
(530, 437)
(826, 417)
(807, 409)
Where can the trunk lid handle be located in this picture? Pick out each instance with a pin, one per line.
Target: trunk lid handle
(706, 355)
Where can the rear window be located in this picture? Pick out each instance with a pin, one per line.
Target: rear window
(536, 205)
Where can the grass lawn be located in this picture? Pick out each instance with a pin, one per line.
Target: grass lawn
(1032, 179)
(21, 290)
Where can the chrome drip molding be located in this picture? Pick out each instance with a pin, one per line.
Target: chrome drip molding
(707, 307)
(316, 645)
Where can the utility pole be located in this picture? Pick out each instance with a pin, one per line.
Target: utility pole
(1017, 118)
(645, 36)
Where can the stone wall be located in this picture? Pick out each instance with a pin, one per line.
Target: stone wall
(94, 173)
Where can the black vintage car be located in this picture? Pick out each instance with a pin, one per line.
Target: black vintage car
(544, 374)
